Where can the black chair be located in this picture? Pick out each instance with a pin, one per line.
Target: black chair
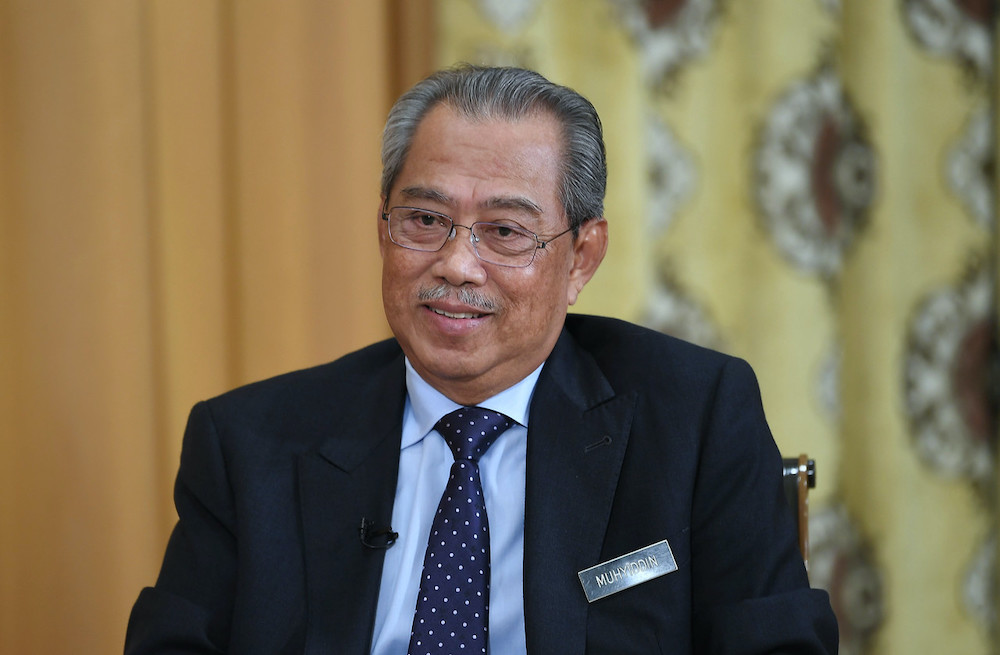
(800, 476)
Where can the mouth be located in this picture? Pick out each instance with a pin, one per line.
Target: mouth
(461, 315)
(462, 308)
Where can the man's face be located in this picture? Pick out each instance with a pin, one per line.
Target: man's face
(471, 328)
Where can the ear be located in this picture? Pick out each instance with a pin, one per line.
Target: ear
(382, 226)
(588, 253)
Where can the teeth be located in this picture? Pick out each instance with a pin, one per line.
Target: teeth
(451, 315)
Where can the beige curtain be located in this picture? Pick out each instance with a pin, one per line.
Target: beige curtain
(810, 184)
(188, 193)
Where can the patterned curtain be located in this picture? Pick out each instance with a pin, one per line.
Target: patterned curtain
(809, 184)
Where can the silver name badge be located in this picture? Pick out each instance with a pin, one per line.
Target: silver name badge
(627, 571)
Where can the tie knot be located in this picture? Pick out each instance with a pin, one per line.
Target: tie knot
(470, 431)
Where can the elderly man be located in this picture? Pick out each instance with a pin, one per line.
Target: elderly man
(500, 477)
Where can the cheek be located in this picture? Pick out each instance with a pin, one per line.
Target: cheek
(396, 280)
(535, 303)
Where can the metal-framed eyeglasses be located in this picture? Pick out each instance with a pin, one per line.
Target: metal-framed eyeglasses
(504, 244)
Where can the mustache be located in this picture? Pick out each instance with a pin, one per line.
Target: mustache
(464, 295)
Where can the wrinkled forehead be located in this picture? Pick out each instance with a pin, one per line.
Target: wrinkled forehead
(450, 111)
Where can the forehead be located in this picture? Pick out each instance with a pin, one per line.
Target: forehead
(455, 159)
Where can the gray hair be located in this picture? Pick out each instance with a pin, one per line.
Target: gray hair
(510, 94)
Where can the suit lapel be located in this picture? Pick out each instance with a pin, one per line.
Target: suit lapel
(576, 442)
(352, 475)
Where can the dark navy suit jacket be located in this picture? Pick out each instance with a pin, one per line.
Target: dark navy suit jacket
(635, 437)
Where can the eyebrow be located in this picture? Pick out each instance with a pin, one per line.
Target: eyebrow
(513, 202)
(425, 193)
(519, 203)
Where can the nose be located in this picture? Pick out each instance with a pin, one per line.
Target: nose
(458, 262)
(454, 233)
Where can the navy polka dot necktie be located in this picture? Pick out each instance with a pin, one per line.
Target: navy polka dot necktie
(453, 604)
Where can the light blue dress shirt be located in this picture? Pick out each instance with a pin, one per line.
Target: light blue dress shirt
(424, 464)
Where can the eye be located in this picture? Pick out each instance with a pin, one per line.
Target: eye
(504, 238)
(419, 219)
(419, 229)
(503, 231)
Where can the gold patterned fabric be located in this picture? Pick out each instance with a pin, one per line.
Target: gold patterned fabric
(810, 185)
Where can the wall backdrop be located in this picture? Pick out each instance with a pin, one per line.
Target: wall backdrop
(188, 196)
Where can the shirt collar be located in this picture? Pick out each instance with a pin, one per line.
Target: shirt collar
(428, 405)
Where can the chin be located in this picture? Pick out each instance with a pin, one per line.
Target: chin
(455, 371)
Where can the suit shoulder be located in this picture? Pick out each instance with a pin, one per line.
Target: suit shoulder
(334, 390)
(634, 357)
(635, 346)
(341, 372)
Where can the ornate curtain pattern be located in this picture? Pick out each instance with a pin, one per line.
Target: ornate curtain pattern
(810, 184)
